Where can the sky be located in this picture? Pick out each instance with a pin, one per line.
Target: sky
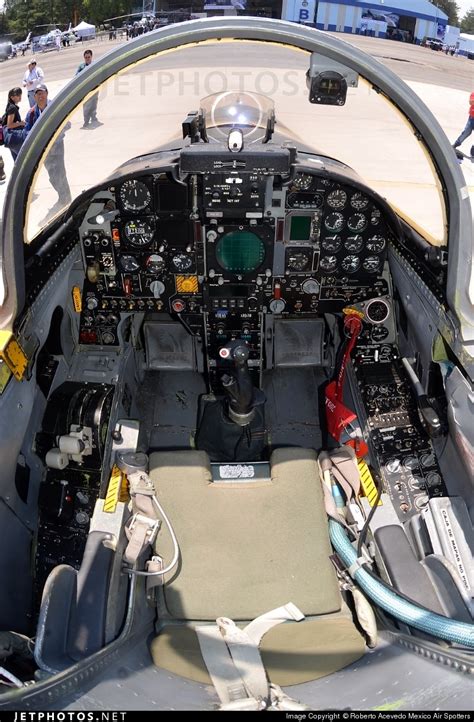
(464, 6)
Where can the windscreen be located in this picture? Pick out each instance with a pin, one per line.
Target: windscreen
(243, 82)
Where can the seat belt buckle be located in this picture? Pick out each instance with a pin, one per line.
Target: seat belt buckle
(153, 526)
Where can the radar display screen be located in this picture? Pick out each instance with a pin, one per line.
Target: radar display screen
(240, 251)
(300, 229)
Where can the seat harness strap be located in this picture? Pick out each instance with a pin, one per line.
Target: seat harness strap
(235, 665)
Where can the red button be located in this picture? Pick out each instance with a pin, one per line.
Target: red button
(178, 305)
(224, 352)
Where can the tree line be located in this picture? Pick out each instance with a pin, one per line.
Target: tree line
(21, 16)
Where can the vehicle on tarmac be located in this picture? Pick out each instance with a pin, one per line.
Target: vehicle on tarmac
(433, 43)
(236, 385)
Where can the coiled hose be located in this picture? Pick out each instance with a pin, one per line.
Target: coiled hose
(441, 627)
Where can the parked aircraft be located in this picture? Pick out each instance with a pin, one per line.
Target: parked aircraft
(236, 385)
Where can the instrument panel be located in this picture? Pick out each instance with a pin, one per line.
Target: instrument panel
(224, 250)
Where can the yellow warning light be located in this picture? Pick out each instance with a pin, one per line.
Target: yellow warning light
(187, 284)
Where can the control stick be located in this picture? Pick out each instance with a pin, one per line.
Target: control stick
(243, 396)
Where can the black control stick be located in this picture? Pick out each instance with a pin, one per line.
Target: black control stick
(243, 395)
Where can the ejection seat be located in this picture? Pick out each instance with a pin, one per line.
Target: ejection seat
(247, 546)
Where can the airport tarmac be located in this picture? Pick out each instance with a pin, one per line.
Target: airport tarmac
(441, 81)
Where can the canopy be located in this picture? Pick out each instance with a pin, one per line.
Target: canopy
(84, 30)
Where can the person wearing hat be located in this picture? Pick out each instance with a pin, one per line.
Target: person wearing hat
(54, 161)
(32, 78)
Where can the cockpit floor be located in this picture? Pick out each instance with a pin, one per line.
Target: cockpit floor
(168, 408)
(386, 678)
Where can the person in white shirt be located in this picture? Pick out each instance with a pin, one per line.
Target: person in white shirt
(34, 76)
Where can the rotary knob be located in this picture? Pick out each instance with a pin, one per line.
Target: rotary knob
(157, 288)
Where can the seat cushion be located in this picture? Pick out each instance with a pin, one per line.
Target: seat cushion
(245, 548)
(291, 652)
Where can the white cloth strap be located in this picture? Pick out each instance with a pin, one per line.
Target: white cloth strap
(234, 663)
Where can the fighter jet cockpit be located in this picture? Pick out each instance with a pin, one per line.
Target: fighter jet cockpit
(236, 369)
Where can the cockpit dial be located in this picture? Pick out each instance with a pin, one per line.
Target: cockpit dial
(138, 233)
(350, 264)
(302, 181)
(134, 195)
(129, 264)
(155, 263)
(371, 264)
(376, 244)
(182, 262)
(299, 260)
(331, 243)
(337, 198)
(359, 202)
(334, 221)
(328, 264)
(354, 243)
(357, 222)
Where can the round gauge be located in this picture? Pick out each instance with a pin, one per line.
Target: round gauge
(359, 201)
(354, 243)
(350, 264)
(302, 181)
(310, 286)
(357, 222)
(328, 264)
(138, 233)
(375, 244)
(134, 195)
(379, 334)
(377, 310)
(337, 198)
(182, 262)
(375, 217)
(298, 260)
(129, 264)
(371, 264)
(334, 221)
(155, 263)
(331, 243)
(277, 305)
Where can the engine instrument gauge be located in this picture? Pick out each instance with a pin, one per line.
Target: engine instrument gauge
(379, 334)
(376, 244)
(129, 264)
(155, 263)
(359, 202)
(302, 181)
(334, 221)
(357, 222)
(299, 260)
(377, 310)
(337, 198)
(331, 243)
(371, 264)
(328, 264)
(350, 264)
(182, 262)
(138, 233)
(354, 243)
(134, 195)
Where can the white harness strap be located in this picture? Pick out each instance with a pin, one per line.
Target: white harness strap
(236, 668)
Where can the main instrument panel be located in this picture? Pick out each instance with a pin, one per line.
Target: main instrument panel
(227, 249)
